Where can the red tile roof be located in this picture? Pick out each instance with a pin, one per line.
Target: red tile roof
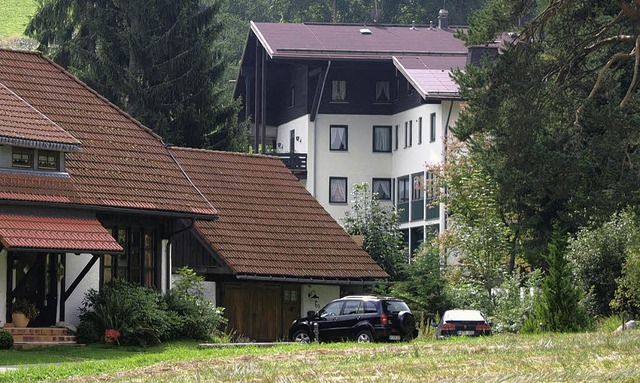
(268, 223)
(20, 121)
(122, 163)
(55, 233)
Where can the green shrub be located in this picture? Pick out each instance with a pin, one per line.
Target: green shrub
(192, 315)
(598, 255)
(6, 340)
(137, 312)
(89, 332)
(513, 301)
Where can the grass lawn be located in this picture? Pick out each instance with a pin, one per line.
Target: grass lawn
(593, 357)
(14, 16)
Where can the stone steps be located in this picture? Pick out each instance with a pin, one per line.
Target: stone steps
(32, 337)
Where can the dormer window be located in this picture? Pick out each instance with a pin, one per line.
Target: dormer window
(48, 160)
(34, 159)
(22, 158)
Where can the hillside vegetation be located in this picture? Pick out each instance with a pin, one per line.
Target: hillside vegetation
(14, 16)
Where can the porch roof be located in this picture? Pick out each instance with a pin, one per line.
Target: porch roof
(64, 233)
(269, 224)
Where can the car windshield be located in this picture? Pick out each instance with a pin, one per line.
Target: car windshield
(394, 307)
(331, 309)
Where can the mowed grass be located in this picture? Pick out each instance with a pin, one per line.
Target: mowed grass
(595, 357)
(14, 16)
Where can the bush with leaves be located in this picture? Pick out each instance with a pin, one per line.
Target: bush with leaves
(380, 227)
(6, 340)
(424, 284)
(137, 312)
(194, 317)
(514, 300)
(627, 297)
(597, 256)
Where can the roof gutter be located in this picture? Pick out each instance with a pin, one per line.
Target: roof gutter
(320, 281)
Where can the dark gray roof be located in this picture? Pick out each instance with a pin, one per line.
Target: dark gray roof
(352, 41)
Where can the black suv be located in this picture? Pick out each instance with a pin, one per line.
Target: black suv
(363, 318)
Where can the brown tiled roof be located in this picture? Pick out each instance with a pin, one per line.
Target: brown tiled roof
(347, 42)
(122, 163)
(55, 233)
(19, 121)
(268, 223)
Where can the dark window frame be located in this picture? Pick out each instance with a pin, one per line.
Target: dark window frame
(403, 193)
(420, 131)
(397, 137)
(346, 138)
(22, 158)
(49, 154)
(345, 198)
(389, 135)
(382, 100)
(374, 181)
(432, 128)
(417, 186)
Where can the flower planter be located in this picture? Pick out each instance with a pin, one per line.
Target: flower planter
(19, 319)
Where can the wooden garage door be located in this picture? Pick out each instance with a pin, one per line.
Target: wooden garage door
(254, 310)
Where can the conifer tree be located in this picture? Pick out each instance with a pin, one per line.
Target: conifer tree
(156, 59)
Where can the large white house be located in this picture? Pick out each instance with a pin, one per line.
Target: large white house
(351, 103)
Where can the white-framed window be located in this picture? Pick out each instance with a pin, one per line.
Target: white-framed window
(382, 138)
(383, 92)
(338, 138)
(337, 189)
(382, 187)
(338, 90)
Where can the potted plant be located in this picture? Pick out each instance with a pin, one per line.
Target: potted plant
(22, 311)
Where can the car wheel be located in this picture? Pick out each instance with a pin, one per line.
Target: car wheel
(364, 336)
(302, 336)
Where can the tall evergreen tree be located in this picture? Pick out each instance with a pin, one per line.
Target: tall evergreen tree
(559, 308)
(156, 59)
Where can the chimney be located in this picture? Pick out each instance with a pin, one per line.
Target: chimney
(443, 19)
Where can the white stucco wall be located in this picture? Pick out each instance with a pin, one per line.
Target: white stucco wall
(73, 266)
(301, 127)
(208, 287)
(314, 297)
(3, 286)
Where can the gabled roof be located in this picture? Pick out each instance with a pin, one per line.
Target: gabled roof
(23, 125)
(351, 41)
(123, 165)
(269, 225)
(425, 55)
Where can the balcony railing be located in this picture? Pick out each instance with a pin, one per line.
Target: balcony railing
(296, 162)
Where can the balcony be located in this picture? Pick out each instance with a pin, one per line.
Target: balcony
(296, 162)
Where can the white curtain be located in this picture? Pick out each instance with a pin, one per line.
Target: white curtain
(382, 139)
(338, 190)
(338, 139)
(383, 189)
(382, 91)
(339, 90)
